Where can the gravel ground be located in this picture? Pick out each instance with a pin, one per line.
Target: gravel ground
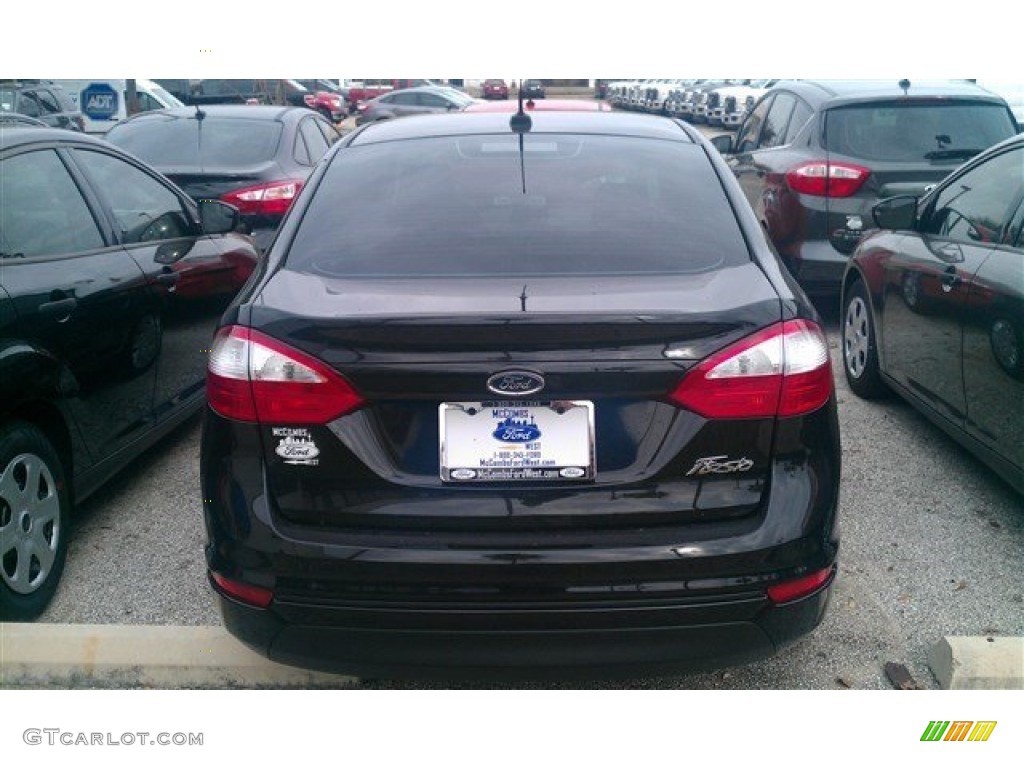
(931, 546)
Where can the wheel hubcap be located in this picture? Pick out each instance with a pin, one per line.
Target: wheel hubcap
(856, 336)
(29, 523)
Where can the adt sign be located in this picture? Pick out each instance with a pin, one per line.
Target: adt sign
(99, 101)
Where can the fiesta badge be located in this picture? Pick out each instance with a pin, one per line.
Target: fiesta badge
(515, 383)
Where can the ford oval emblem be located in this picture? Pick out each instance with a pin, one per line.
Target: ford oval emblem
(513, 430)
(515, 383)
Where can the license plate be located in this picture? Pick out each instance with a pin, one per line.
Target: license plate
(517, 441)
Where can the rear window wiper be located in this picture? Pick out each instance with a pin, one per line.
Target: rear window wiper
(951, 154)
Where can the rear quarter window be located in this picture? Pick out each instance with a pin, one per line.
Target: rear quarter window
(472, 206)
(909, 132)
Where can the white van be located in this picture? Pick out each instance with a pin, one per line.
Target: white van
(105, 102)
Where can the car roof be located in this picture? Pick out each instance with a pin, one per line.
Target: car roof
(476, 123)
(16, 135)
(422, 89)
(541, 105)
(827, 93)
(254, 111)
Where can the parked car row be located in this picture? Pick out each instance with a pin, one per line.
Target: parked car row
(357, 485)
(722, 103)
(319, 95)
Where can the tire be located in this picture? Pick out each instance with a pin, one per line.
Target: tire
(860, 343)
(35, 513)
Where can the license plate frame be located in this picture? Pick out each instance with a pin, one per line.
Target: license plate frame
(500, 441)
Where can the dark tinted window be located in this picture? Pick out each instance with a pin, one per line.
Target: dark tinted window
(457, 206)
(406, 99)
(312, 139)
(329, 132)
(775, 125)
(144, 209)
(747, 137)
(173, 142)
(916, 131)
(43, 212)
(978, 207)
(433, 100)
(801, 114)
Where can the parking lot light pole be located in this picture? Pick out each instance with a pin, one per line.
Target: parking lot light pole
(131, 97)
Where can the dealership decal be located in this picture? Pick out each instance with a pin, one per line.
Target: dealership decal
(296, 446)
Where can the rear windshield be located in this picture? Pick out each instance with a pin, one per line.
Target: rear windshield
(930, 131)
(474, 206)
(167, 141)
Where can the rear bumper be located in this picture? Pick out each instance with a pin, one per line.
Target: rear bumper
(569, 601)
(566, 642)
(819, 268)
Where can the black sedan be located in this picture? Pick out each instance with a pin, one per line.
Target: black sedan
(933, 307)
(111, 282)
(254, 157)
(540, 445)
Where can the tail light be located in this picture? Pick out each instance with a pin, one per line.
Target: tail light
(258, 597)
(788, 591)
(270, 199)
(252, 377)
(784, 370)
(825, 179)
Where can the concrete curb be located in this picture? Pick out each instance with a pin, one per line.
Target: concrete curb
(137, 656)
(146, 656)
(978, 663)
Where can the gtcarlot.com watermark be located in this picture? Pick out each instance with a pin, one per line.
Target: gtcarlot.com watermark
(54, 737)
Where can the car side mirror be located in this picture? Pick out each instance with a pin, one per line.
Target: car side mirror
(216, 217)
(899, 213)
(723, 143)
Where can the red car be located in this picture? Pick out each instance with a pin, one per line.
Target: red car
(494, 89)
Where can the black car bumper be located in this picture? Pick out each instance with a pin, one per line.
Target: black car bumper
(602, 601)
(565, 641)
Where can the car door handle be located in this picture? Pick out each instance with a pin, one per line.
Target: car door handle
(61, 308)
(950, 279)
(169, 277)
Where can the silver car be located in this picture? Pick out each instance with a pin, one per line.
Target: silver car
(414, 101)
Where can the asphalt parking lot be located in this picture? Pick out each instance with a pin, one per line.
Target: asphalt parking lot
(931, 546)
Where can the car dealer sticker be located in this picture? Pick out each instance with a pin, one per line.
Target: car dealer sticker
(296, 446)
